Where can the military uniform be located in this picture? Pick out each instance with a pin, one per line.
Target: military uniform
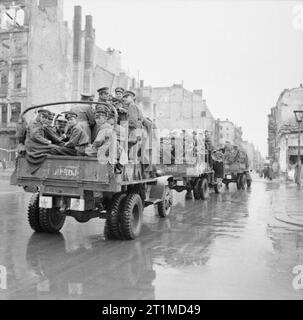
(76, 137)
(100, 108)
(86, 118)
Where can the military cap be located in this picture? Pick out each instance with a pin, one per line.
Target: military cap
(103, 89)
(70, 114)
(119, 89)
(45, 112)
(87, 95)
(100, 113)
(129, 93)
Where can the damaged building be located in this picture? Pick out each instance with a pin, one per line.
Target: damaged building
(44, 60)
(283, 129)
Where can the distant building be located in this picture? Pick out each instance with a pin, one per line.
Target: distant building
(42, 60)
(228, 132)
(175, 107)
(283, 129)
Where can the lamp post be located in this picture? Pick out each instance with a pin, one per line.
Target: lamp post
(299, 118)
(286, 171)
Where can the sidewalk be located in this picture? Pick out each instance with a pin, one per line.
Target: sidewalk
(289, 207)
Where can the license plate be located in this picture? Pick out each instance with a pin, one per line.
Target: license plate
(45, 202)
(179, 183)
(77, 204)
(228, 176)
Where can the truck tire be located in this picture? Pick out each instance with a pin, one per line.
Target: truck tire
(50, 220)
(249, 183)
(132, 216)
(204, 190)
(239, 178)
(243, 182)
(113, 223)
(33, 213)
(196, 190)
(218, 187)
(164, 207)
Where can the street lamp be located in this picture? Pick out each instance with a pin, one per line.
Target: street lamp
(286, 142)
(299, 119)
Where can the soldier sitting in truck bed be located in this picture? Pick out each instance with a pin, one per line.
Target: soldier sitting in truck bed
(37, 145)
(76, 137)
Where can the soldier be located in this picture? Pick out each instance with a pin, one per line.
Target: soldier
(100, 108)
(60, 126)
(118, 104)
(50, 130)
(37, 145)
(76, 136)
(103, 94)
(134, 117)
(86, 118)
(119, 93)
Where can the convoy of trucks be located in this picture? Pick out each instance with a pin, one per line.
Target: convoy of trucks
(84, 188)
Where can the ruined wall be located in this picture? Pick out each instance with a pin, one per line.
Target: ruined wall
(50, 54)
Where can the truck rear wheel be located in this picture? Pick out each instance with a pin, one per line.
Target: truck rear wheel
(132, 216)
(243, 181)
(248, 183)
(196, 190)
(51, 221)
(239, 178)
(204, 190)
(164, 207)
(33, 213)
(112, 225)
(218, 187)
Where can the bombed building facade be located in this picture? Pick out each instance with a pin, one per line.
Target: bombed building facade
(44, 60)
(283, 129)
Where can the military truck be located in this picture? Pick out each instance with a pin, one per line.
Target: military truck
(83, 188)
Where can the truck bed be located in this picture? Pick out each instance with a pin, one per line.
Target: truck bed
(75, 172)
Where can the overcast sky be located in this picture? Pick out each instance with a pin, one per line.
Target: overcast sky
(241, 53)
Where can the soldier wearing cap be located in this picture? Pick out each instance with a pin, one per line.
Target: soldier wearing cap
(76, 137)
(50, 130)
(118, 104)
(60, 126)
(102, 107)
(103, 94)
(36, 138)
(134, 116)
(85, 113)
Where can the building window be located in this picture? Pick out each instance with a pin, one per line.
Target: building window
(3, 82)
(17, 76)
(15, 111)
(203, 114)
(3, 111)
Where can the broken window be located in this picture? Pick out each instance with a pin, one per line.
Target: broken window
(3, 81)
(3, 109)
(12, 17)
(15, 111)
(17, 76)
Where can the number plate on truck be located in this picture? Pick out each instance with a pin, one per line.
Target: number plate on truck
(45, 202)
(228, 176)
(65, 172)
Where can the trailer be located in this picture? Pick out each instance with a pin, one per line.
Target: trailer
(84, 188)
